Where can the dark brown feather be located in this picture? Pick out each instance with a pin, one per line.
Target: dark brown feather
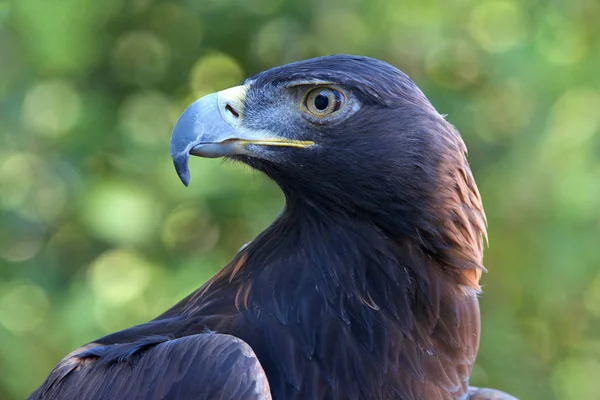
(205, 366)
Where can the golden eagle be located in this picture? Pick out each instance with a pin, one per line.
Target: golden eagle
(365, 286)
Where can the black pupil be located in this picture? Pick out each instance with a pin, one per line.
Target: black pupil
(321, 101)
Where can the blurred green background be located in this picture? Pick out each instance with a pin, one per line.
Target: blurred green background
(97, 233)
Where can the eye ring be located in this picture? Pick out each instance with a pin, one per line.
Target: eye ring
(323, 101)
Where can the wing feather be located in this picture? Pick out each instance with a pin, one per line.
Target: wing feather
(202, 366)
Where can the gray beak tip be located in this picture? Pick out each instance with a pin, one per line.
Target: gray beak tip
(181, 137)
(181, 166)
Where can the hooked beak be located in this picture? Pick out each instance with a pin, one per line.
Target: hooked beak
(213, 127)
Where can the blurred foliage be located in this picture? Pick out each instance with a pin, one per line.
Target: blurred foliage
(97, 233)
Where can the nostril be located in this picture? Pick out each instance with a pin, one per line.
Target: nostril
(232, 110)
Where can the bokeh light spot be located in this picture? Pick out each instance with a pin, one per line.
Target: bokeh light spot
(577, 378)
(498, 25)
(560, 40)
(113, 317)
(23, 306)
(577, 192)
(452, 64)
(567, 149)
(120, 213)
(49, 199)
(213, 72)
(189, 227)
(119, 276)
(502, 110)
(279, 40)
(573, 120)
(19, 248)
(141, 58)
(28, 186)
(146, 118)
(51, 108)
(17, 176)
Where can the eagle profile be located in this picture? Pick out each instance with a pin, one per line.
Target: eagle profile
(365, 286)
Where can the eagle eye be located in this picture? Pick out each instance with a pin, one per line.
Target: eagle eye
(323, 101)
